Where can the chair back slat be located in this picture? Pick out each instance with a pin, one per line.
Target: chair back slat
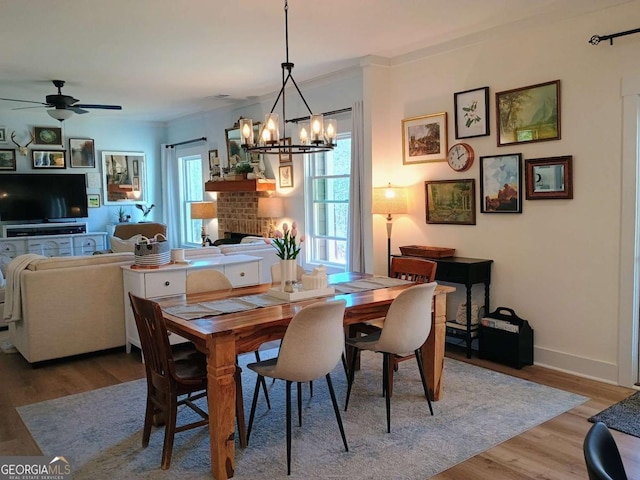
(313, 343)
(154, 341)
(406, 327)
(413, 269)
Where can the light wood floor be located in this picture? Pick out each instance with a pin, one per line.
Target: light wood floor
(552, 450)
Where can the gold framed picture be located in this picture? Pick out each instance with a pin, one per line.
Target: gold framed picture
(424, 139)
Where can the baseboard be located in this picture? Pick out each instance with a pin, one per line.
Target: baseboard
(573, 364)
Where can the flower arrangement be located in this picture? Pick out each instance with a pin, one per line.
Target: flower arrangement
(285, 242)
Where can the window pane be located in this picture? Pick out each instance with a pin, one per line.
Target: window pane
(330, 219)
(336, 189)
(330, 251)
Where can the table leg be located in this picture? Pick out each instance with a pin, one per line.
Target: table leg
(433, 348)
(468, 338)
(221, 397)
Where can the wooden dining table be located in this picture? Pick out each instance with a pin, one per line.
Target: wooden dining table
(223, 337)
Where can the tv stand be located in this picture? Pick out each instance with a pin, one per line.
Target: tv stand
(39, 229)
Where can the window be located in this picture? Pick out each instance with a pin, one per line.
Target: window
(328, 177)
(192, 182)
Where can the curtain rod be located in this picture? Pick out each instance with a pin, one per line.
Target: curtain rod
(201, 139)
(596, 39)
(332, 112)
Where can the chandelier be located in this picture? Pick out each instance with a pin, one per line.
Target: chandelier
(317, 135)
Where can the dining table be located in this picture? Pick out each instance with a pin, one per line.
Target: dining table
(224, 336)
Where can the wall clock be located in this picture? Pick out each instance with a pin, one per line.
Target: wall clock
(460, 157)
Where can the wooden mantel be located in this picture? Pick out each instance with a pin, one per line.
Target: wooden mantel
(256, 185)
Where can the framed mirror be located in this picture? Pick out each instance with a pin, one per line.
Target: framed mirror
(235, 153)
(123, 178)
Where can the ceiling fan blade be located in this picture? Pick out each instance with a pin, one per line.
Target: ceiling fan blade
(102, 107)
(24, 101)
(77, 110)
(26, 108)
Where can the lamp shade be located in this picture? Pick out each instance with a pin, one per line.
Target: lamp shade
(270, 207)
(389, 200)
(204, 210)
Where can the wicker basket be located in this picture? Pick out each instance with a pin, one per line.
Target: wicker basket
(152, 252)
(427, 252)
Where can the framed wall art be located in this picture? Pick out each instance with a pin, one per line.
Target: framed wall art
(549, 178)
(48, 159)
(286, 176)
(451, 201)
(424, 139)
(471, 109)
(213, 158)
(93, 200)
(3, 134)
(528, 114)
(286, 156)
(7, 159)
(48, 135)
(501, 184)
(82, 153)
(123, 178)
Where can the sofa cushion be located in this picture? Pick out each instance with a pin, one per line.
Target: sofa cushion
(245, 247)
(67, 262)
(119, 245)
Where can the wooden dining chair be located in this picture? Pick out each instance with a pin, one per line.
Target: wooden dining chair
(167, 377)
(412, 269)
(311, 348)
(404, 330)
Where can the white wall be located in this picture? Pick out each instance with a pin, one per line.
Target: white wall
(109, 134)
(557, 263)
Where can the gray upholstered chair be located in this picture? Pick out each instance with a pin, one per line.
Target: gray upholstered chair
(601, 455)
(199, 281)
(311, 348)
(405, 329)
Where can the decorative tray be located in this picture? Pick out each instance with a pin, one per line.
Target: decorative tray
(427, 252)
(302, 294)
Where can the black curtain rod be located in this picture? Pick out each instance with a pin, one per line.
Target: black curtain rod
(332, 112)
(596, 39)
(201, 139)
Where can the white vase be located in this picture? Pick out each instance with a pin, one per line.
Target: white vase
(288, 271)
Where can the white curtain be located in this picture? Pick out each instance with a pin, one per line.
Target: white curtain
(170, 194)
(356, 262)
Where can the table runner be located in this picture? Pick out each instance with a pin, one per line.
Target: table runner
(250, 302)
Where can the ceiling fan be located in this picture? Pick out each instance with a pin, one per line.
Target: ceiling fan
(63, 106)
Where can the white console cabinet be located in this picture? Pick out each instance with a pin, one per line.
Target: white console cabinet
(53, 245)
(241, 270)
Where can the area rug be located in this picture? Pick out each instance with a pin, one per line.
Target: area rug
(99, 432)
(623, 416)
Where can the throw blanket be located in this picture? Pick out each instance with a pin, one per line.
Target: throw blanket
(12, 294)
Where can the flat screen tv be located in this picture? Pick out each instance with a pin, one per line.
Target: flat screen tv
(42, 196)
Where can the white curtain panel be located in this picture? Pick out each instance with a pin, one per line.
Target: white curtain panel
(356, 261)
(170, 194)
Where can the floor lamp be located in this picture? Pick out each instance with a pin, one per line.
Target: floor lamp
(204, 211)
(389, 201)
(270, 207)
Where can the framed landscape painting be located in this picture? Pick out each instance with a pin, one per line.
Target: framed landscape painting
(424, 139)
(528, 114)
(7, 159)
(82, 153)
(48, 159)
(501, 184)
(48, 135)
(451, 201)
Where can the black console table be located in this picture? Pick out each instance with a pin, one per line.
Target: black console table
(465, 271)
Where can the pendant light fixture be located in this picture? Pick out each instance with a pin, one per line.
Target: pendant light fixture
(317, 135)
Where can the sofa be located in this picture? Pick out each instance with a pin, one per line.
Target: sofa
(70, 305)
(75, 305)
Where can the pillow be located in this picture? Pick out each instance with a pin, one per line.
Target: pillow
(119, 245)
(4, 262)
(2, 280)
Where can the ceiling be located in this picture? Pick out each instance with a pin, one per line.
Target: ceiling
(163, 59)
